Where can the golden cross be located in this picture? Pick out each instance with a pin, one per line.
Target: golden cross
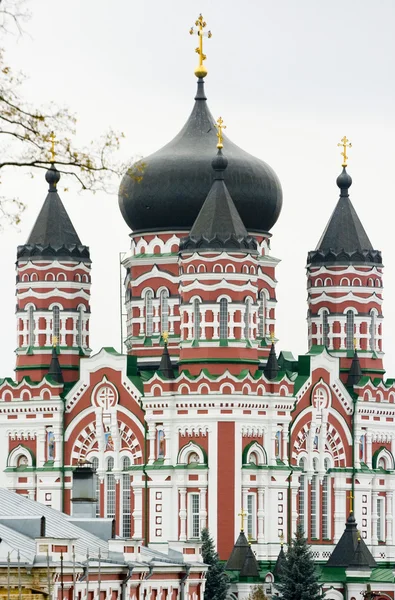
(242, 514)
(52, 151)
(355, 343)
(351, 498)
(200, 23)
(220, 126)
(345, 143)
(165, 337)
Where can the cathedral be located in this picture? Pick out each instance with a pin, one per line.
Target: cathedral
(204, 418)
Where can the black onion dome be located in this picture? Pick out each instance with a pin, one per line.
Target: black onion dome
(177, 178)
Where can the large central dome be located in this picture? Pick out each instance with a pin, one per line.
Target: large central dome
(177, 178)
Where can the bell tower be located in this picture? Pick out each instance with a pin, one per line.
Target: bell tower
(52, 292)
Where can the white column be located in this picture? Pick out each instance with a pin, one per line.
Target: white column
(137, 512)
(339, 511)
(374, 517)
(183, 514)
(231, 324)
(284, 439)
(203, 324)
(203, 508)
(151, 440)
(369, 449)
(388, 517)
(215, 323)
(261, 516)
(166, 429)
(142, 320)
(356, 449)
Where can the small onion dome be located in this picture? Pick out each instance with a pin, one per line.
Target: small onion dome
(52, 177)
(177, 178)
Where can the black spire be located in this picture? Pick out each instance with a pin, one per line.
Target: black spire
(344, 553)
(344, 240)
(165, 366)
(55, 370)
(279, 566)
(239, 553)
(53, 234)
(271, 367)
(250, 566)
(218, 225)
(355, 372)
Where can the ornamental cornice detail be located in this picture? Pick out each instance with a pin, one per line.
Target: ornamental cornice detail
(193, 430)
(253, 431)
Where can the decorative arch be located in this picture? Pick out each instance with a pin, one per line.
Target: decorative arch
(318, 282)
(230, 269)
(344, 281)
(186, 454)
(218, 269)
(17, 453)
(254, 448)
(87, 442)
(49, 277)
(333, 444)
(61, 277)
(383, 455)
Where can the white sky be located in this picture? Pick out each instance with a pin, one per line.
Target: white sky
(290, 78)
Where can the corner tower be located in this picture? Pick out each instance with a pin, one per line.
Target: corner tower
(344, 283)
(53, 292)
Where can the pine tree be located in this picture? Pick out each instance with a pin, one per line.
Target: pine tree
(217, 582)
(299, 579)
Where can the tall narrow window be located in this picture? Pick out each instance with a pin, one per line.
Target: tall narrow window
(196, 319)
(80, 325)
(302, 497)
(126, 513)
(262, 311)
(194, 515)
(110, 504)
(380, 520)
(164, 310)
(313, 507)
(372, 330)
(149, 313)
(325, 503)
(223, 319)
(350, 330)
(247, 319)
(325, 328)
(251, 516)
(55, 325)
(31, 326)
(95, 465)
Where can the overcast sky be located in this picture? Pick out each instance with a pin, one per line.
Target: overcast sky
(289, 77)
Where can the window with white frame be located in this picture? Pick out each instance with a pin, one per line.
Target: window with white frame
(247, 319)
(110, 491)
(55, 325)
(164, 310)
(194, 515)
(372, 330)
(80, 325)
(251, 516)
(149, 313)
(350, 330)
(325, 512)
(31, 326)
(196, 319)
(95, 465)
(325, 328)
(380, 520)
(126, 512)
(223, 319)
(302, 496)
(313, 507)
(261, 314)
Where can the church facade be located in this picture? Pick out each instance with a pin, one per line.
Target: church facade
(203, 418)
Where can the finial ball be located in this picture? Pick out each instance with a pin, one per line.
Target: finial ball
(200, 71)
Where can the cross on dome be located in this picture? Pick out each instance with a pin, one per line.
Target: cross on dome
(345, 143)
(200, 23)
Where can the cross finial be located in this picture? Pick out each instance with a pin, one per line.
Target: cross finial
(242, 516)
(52, 137)
(272, 337)
(200, 23)
(165, 337)
(54, 341)
(281, 539)
(351, 498)
(220, 126)
(345, 143)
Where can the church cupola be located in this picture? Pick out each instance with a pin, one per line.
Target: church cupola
(344, 283)
(53, 293)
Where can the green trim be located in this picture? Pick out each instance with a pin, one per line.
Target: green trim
(219, 361)
(37, 367)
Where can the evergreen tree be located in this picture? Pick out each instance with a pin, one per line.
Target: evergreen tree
(299, 580)
(217, 582)
(257, 593)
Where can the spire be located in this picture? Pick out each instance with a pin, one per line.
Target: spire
(250, 566)
(165, 366)
(355, 372)
(239, 553)
(53, 233)
(344, 554)
(218, 225)
(54, 368)
(279, 566)
(271, 367)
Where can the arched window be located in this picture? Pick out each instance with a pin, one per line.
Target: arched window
(149, 313)
(110, 492)
(302, 495)
(31, 326)
(196, 319)
(164, 310)
(95, 465)
(325, 512)
(80, 326)
(372, 330)
(247, 319)
(261, 314)
(350, 330)
(223, 319)
(55, 325)
(126, 512)
(313, 501)
(325, 328)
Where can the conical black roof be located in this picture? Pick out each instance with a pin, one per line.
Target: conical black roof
(271, 367)
(218, 225)
(344, 240)
(53, 234)
(344, 553)
(54, 368)
(360, 561)
(165, 366)
(250, 567)
(355, 372)
(278, 567)
(177, 178)
(239, 553)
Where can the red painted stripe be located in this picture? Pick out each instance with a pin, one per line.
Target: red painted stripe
(226, 487)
